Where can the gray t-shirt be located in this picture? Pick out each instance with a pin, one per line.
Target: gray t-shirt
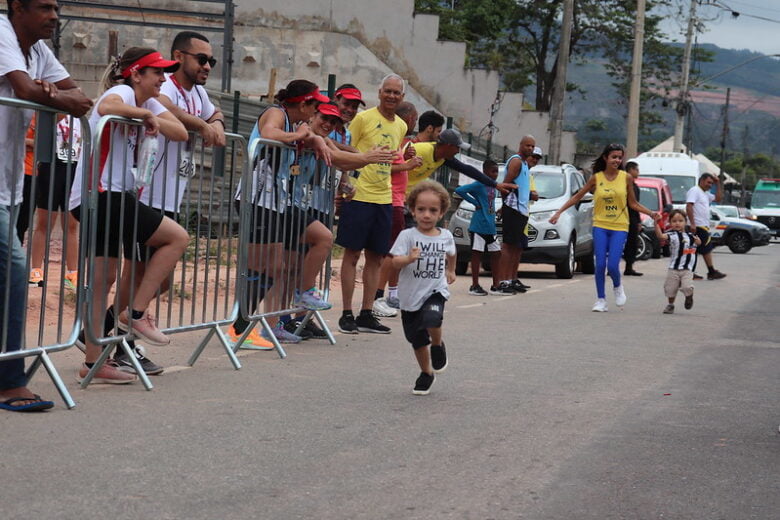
(419, 280)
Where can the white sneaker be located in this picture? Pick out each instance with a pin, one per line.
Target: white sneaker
(620, 296)
(383, 310)
(600, 305)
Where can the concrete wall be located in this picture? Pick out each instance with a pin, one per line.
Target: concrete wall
(358, 40)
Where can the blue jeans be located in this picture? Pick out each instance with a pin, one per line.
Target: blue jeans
(12, 372)
(608, 248)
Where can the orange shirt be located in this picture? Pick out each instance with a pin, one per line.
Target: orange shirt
(29, 156)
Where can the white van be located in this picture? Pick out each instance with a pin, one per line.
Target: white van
(680, 171)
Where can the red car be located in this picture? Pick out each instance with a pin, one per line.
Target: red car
(655, 195)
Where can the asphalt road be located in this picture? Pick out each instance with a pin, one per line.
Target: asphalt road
(547, 411)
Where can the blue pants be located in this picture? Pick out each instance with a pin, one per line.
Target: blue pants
(608, 248)
(11, 372)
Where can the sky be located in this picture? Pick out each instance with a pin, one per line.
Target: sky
(744, 32)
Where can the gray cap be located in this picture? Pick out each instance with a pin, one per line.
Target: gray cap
(452, 137)
(538, 151)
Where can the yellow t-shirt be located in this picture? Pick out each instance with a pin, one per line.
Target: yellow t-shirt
(610, 202)
(370, 129)
(429, 165)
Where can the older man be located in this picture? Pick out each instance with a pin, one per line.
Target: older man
(366, 220)
(697, 206)
(29, 71)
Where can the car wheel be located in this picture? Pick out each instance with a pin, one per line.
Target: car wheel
(565, 269)
(644, 248)
(588, 264)
(739, 242)
(461, 268)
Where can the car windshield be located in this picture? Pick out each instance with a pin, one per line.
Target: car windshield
(729, 211)
(549, 185)
(679, 184)
(765, 199)
(648, 197)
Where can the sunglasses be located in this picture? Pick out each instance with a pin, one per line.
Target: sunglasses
(202, 58)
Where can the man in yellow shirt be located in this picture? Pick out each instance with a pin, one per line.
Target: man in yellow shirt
(366, 220)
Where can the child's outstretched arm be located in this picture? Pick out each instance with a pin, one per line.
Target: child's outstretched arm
(399, 262)
(660, 234)
(450, 269)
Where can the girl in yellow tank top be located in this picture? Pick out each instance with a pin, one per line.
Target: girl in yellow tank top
(613, 194)
(610, 203)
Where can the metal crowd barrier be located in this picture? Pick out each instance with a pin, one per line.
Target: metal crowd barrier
(50, 319)
(200, 293)
(281, 189)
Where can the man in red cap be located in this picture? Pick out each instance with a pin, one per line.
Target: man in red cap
(348, 100)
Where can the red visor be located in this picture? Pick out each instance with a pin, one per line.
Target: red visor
(314, 94)
(351, 93)
(155, 60)
(329, 110)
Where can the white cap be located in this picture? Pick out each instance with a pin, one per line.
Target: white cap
(538, 151)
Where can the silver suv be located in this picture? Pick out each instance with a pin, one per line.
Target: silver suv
(562, 244)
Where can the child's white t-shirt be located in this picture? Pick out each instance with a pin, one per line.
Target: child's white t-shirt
(420, 279)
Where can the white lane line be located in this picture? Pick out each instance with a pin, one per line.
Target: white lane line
(176, 368)
(471, 306)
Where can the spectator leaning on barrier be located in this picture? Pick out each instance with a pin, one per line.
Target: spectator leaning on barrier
(29, 71)
(273, 229)
(138, 75)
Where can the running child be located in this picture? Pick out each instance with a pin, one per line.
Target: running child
(682, 259)
(482, 229)
(425, 256)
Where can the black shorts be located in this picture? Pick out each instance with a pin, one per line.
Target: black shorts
(706, 241)
(365, 225)
(144, 253)
(117, 227)
(429, 316)
(271, 227)
(484, 243)
(514, 224)
(58, 187)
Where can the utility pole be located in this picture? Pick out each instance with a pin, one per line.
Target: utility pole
(559, 88)
(632, 134)
(725, 132)
(682, 104)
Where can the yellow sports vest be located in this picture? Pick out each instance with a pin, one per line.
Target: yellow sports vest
(610, 202)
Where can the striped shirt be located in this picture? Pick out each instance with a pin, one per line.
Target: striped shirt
(682, 249)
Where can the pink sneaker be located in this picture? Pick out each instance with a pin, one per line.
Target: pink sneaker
(108, 374)
(144, 328)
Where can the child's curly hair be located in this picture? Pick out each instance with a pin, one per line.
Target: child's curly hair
(678, 212)
(433, 186)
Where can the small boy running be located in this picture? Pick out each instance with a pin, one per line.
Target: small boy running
(425, 256)
(682, 249)
(482, 228)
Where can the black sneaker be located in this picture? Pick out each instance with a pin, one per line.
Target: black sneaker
(689, 302)
(715, 275)
(292, 325)
(423, 384)
(477, 290)
(697, 277)
(519, 286)
(439, 358)
(150, 367)
(367, 322)
(316, 332)
(347, 324)
(503, 289)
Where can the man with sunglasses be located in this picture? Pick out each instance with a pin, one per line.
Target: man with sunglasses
(184, 96)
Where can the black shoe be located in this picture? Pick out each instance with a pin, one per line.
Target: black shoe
(439, 358)
(697, 277)
(150, 367)
(477, 290)
(316, 332)
(367, 322)
(519, 286)
(715, 275)
(292, 325)
(689, 302)
(631, 272)
(347, 324)
(503, 289)
(423, 384)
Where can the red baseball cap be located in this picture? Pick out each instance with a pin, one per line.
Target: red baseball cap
(153, 59)
(351, 93)
(314, 94)
(329, 109)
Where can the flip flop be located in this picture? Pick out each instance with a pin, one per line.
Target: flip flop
(37, 406)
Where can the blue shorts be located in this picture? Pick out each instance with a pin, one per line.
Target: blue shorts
(364, 225)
